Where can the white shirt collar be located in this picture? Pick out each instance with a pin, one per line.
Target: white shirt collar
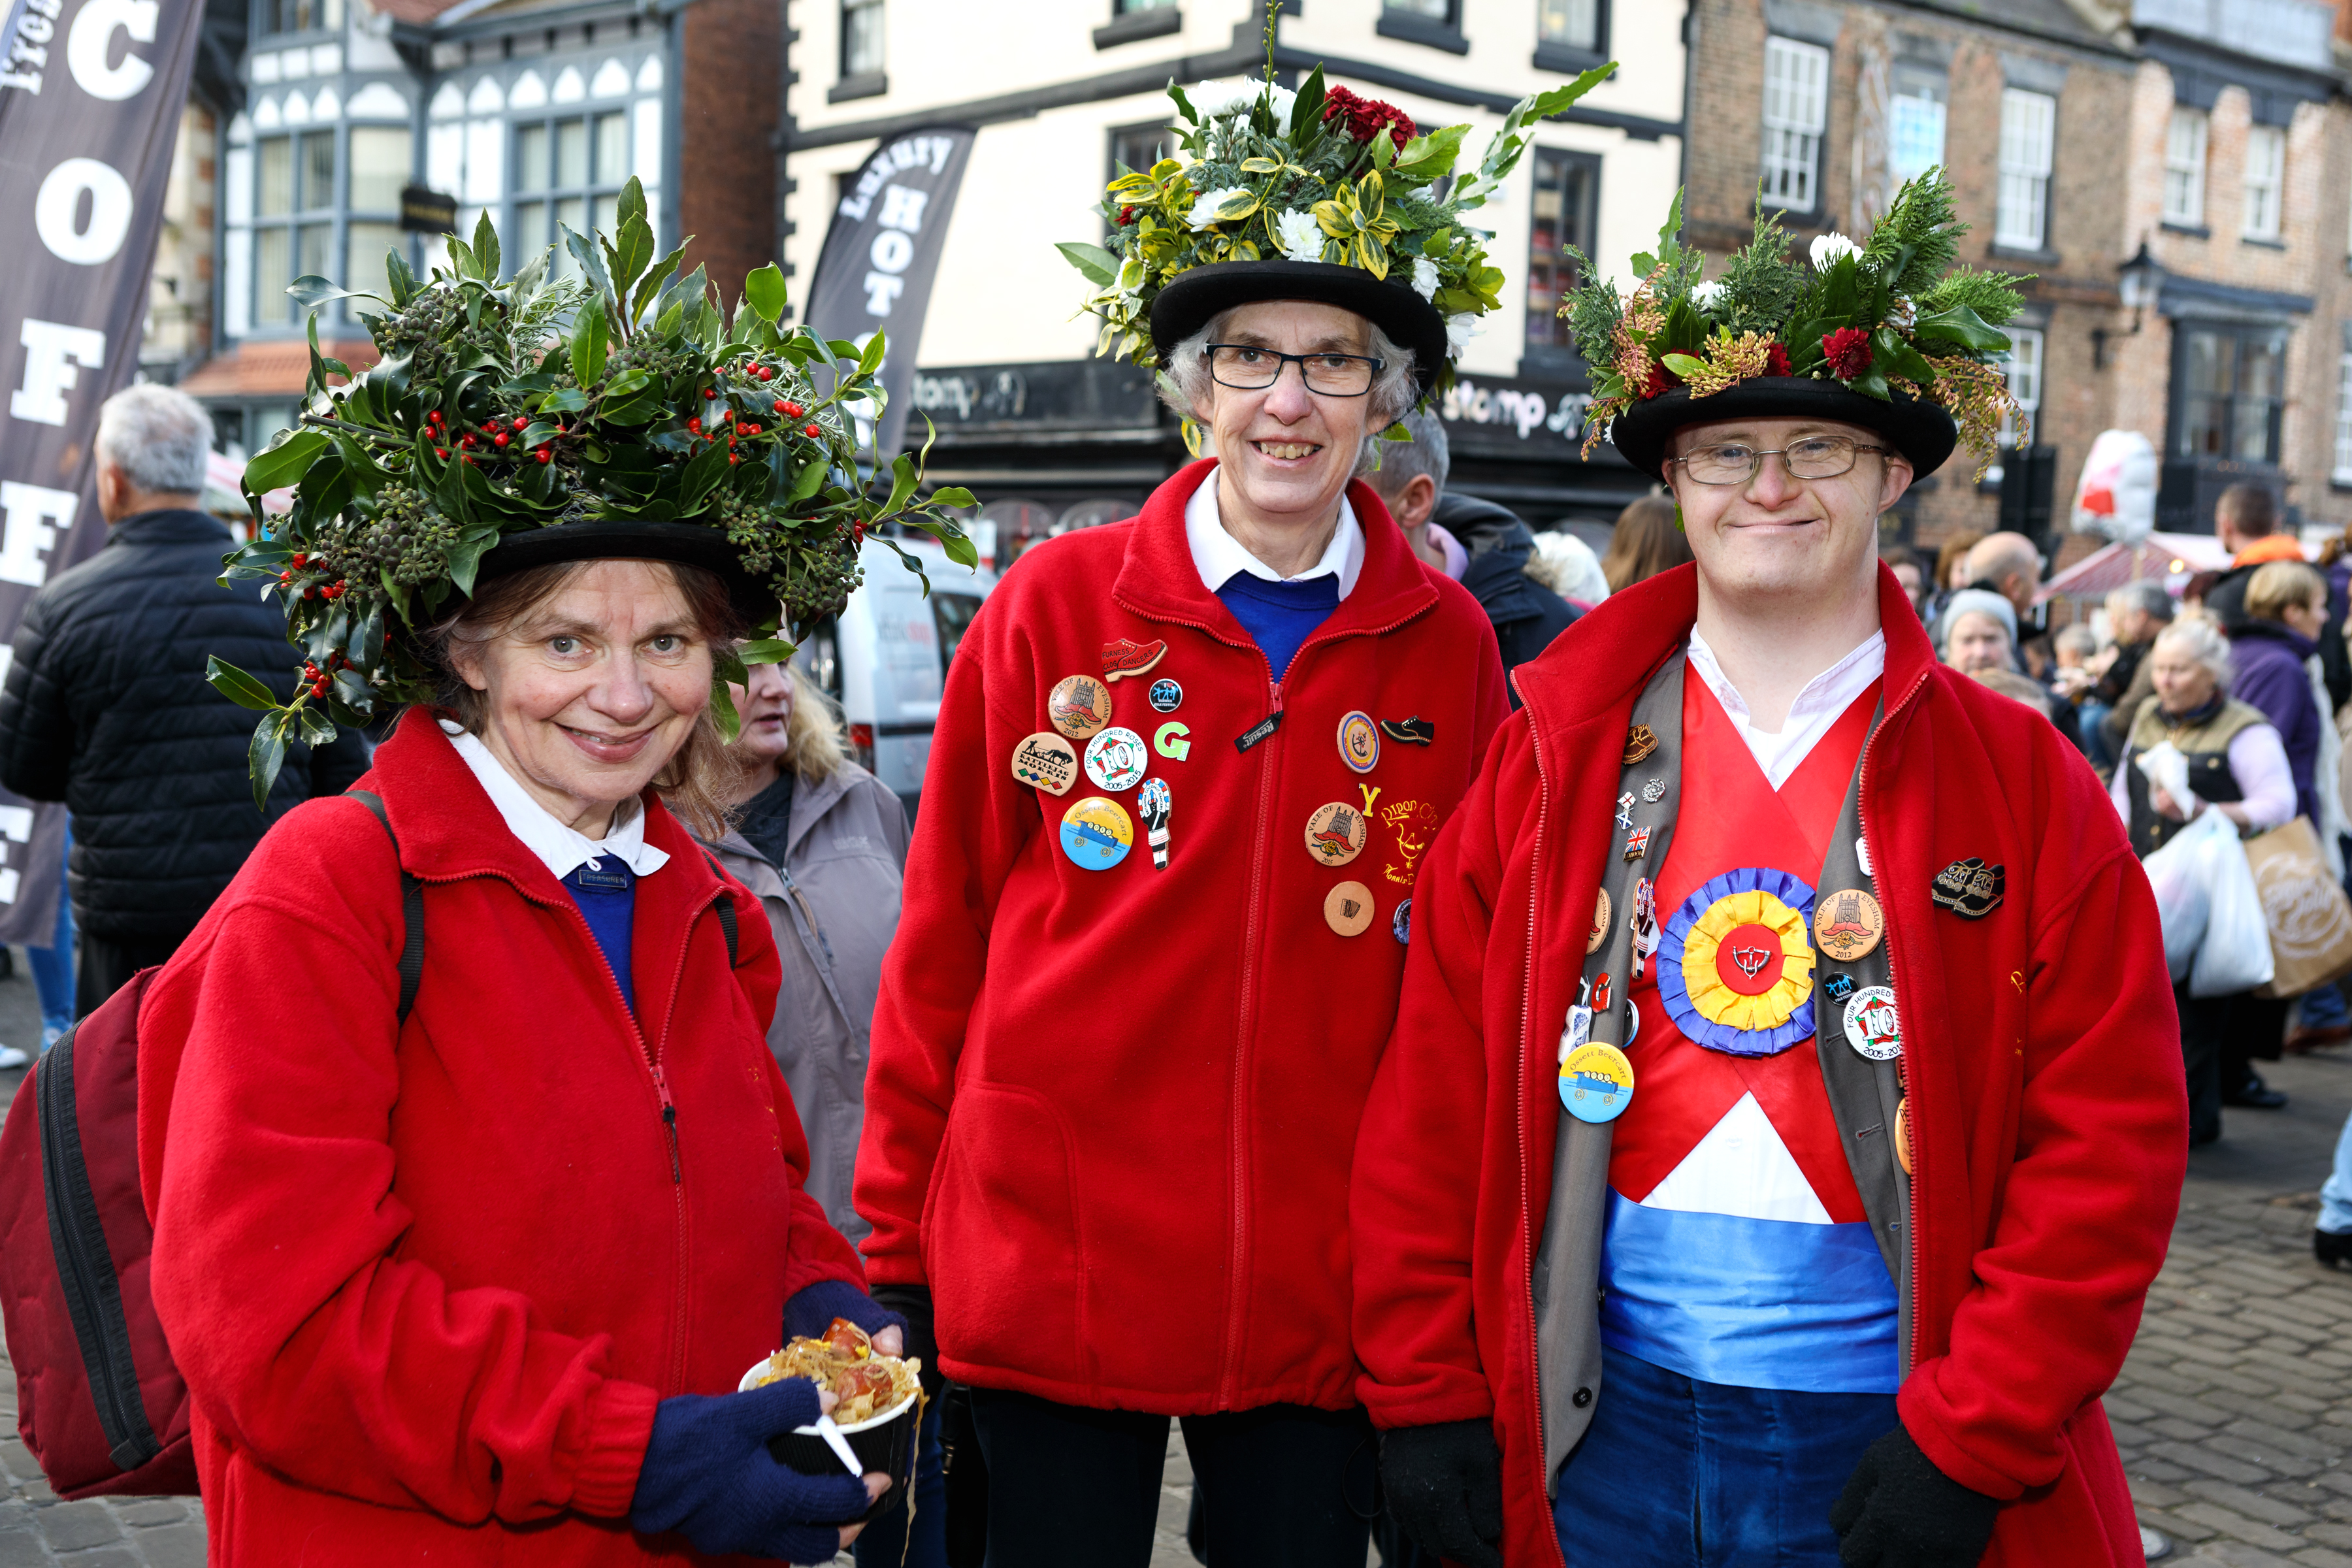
(1817, 709)
(1217, 554)
(564, 849)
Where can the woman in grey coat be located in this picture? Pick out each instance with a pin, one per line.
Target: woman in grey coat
(824, 843)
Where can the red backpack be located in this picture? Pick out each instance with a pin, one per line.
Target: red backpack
(99, 1401)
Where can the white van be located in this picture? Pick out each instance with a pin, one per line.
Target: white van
(885, 657)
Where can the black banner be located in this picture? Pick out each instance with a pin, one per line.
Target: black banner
(880, 255)
(90, 97)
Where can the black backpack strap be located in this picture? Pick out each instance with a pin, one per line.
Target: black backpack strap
(412, 910)
(727, 913)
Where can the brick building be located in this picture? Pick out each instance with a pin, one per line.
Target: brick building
(2212, 131)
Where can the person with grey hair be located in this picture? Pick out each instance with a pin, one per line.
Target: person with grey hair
(2136, 612)
(107, 708)
(1479, 544)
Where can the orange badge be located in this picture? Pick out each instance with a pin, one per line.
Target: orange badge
(1348, 909)
(1847, 924)
(1600, 931)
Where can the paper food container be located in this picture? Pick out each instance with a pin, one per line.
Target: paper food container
(883, 1445)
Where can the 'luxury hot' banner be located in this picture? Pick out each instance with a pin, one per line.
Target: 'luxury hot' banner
(881, 253)
(90, 96)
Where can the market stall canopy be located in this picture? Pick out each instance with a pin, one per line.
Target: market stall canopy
(2169, 558)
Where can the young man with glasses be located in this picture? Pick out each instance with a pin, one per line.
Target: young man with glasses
(1768, 1162)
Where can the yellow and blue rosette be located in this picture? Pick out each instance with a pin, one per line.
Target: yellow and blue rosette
(1736, 963)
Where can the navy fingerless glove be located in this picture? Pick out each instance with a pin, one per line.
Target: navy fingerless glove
(709, 1476)
(812, 1311)
(1900, 1512)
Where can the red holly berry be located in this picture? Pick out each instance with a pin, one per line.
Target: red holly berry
(811, 431)
(467, 439)
(311, 592)
(470, 463)
(521, 422)
(442, 453)
(780, 408)
(545, 456)
(789, 410)
(1776, 360)
(733, 458)
(749, 429)
(318, 689)
(767, 373)
(695, 424)
(285, 577)
(1848, 351)
(500, 439)
(433, 416)
(301, 559)
(857, 534)
(709, 392)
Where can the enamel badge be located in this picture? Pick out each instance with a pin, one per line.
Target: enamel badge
(1847, 924)
(1639, 741)
(1078, 706)
(1637, 844)
(1872, 1026)
(1116, 759)
(1123, 659)
(1414, 732)
(1969, 888)
(1047, 760)
(1336, 834)
(1152, 804)
(1359, 742)
(1600, 931)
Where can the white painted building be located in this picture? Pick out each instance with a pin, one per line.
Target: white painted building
(1063, 90)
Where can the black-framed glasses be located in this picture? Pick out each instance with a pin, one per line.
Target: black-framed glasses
(1247, 368)
(1814, 457)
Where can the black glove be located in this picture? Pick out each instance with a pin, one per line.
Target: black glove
(1445, 1489)
(913, 1303)
(1900, 1512)
(707, 1475)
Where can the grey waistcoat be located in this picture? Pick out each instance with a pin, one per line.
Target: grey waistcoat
(1863, 1093)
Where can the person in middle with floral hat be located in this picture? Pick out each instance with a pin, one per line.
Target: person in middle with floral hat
(1161, 888)
(1774, 1149)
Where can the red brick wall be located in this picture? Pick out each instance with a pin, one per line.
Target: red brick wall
(726, 169)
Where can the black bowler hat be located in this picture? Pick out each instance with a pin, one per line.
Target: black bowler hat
(1918, 427)
(625, 539)
(1192, 300)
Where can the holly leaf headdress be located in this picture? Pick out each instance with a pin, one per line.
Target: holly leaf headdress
(503, 406)
(1891, 316)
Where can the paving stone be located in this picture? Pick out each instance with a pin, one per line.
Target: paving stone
(23, 1549)
(2253, 1505)
(173, 1546)
(2237, 1526)
(2321, 1557)
(104, 1557)
(149, 1511)
(71, 1526)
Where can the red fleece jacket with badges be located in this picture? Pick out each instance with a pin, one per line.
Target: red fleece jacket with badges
(2048, 1119)
(428, 1287)
(1110, 1113)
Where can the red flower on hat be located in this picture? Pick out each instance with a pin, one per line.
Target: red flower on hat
(1366, 117)
(1776, 360)
(1126, 216)
(1848, 349)
(1661, 382)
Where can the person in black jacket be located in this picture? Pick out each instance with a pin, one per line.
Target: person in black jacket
(1474, 541)
(107, 707)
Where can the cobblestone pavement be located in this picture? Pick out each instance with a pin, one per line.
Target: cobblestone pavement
(2234, 1411)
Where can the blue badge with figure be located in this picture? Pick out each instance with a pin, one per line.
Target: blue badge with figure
(1166, 695)
(1596, 1083)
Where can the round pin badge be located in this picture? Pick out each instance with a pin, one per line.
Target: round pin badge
(1401, 923)
(1166, 696)
(1596, 1083)
(1903, 1133)
(1348, 909)
(1872, 1026)
(1632, 1020)
(1847, 924)
(1078, 706)
(1047, 761)
(1359, 742)
(1096, 834)
(1336, 834)
(1116, 759)
(1600, 931)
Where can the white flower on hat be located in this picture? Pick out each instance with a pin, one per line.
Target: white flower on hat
(1828, 248)
(1708, 295)
(1300, 236)
(1204, 210)
(1284, 102)
(1424, 276)
(1215, 100)
(1460, 330)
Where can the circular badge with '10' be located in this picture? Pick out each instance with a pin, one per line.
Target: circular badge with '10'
(1096, 834)
(1596, 1083)
(1872, 1026)
(1116, 759)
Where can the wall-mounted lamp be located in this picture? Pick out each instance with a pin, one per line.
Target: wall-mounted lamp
(2139, 282)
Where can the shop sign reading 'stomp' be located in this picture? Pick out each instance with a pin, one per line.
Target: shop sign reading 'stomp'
(91, 94)
(880, 256)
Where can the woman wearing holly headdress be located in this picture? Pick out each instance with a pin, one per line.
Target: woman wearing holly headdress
(1160, 891)
(1767, 1163)
(476, 1186)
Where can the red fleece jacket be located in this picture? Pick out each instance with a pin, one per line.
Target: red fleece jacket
(2049, 1121)
(1110, 1113)
(428, 1287)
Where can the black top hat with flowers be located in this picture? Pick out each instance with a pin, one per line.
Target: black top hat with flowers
(1888, 336)
(1317, 194)
(620, 415)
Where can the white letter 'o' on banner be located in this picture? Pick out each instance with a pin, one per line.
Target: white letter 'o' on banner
(93, 30)
(57, 207)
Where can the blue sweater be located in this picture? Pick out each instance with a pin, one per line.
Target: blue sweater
(1279, 616)
(607, 891)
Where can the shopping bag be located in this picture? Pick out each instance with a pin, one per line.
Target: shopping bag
(2309, 917)
(2176, 874)
(2235, 955)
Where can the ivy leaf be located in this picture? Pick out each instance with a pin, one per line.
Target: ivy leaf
(727, 666)
(1099, 265)
(766, 651)
(465, 555)
(238, 687)
(281, 465)
(764, 287)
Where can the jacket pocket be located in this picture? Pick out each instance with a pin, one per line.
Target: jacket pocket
(1005, 1242)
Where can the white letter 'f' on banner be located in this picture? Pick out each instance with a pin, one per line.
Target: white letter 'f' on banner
(52, 353)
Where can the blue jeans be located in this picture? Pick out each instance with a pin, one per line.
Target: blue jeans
(884, 1543)
(1676, 1473)
(2336, 1196)
(2088, 717)
(53, 966)
(2325, 1008)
